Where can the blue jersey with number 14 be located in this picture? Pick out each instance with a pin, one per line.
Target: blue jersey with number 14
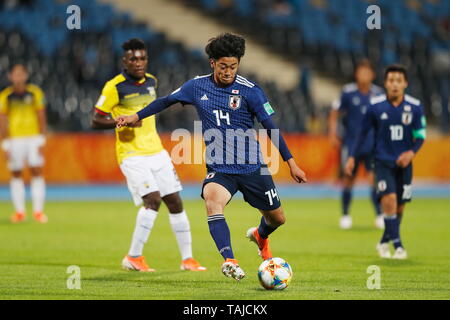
(227, 115)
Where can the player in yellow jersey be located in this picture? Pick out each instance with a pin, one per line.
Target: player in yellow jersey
(23, 127)
(150, 174)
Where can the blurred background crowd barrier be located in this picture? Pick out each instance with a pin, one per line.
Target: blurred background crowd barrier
(70, 159)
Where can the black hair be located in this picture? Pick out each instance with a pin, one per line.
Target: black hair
(366, 63)
(395, 68)
(134, 44)
(17, 64)
(226, 45)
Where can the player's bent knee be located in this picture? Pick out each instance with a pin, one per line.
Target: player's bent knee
(213, 206)
(152, 201)
(389, 203)
(16, 174)
(173, 202)
(36, 172)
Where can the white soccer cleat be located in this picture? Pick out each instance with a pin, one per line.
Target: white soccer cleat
(346, 222)
(400, 254)
(379, 222)
(231, 269)
(383, 250)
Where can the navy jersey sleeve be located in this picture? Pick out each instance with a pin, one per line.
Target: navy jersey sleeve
(343, 103)
(184, 94)
(419, 124)
(418, 129)
(367, 124)
(259, 104)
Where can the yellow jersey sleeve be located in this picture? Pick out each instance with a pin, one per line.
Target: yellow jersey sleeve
(4, 100)
(154, 78)
(109, 98)
(38, 97)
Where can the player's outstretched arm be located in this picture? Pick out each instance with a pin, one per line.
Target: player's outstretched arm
(153, 108)
(297, 174)
(102, 121)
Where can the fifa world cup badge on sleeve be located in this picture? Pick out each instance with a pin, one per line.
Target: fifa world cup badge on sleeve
(268, 108)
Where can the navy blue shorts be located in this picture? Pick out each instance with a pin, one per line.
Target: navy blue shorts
(366, 159)
(394, 180)
(258, 190)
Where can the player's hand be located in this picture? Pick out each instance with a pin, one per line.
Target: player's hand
(6, 147)
(349, 166)
(136, 125)
(405, 158)
(40, 142)
(126, 121)
(334, 140)
(297, 174)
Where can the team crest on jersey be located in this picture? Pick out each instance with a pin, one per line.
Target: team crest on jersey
(407, 118)
(152, 91)
(234, 102)
(407, 108)
(28, 99)
(363, 109)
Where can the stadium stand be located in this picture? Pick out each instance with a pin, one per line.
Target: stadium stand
(72, 65)
(333, 35)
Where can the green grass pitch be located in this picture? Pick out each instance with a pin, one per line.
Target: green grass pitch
(328, 263)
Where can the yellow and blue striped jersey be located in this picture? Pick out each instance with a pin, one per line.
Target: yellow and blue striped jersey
(122, 95)
(21, 110)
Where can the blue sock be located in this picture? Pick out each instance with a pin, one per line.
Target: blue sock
(392, 226)
(375, 201)
(346, 199)
(385, 237)
(221, 234)
(399, 217)
(264, 229)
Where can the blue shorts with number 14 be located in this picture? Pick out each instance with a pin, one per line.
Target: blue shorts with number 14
(257, 188)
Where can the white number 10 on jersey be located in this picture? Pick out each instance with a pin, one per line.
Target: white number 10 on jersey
(396, 133)
(220, 115)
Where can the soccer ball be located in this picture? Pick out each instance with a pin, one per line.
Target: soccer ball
(274, 274)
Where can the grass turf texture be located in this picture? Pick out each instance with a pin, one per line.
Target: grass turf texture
(328, 263)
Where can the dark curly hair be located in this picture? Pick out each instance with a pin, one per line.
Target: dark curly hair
(226, 45)
(134, 44)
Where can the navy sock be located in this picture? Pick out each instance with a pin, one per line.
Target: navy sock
(392, 226)
(346, 199)
(375, 201)
(264, 229)
(399, 217)
(385, 237)
(221, 234)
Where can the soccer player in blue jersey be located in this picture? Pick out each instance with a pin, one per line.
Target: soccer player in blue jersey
(399, 125)
(227, 104)
(352, 106)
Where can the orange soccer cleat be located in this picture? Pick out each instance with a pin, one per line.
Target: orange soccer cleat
(136, 264)
(231, 269)
(263, 244)
(192, 265)
(18, 217)
(40, 217)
